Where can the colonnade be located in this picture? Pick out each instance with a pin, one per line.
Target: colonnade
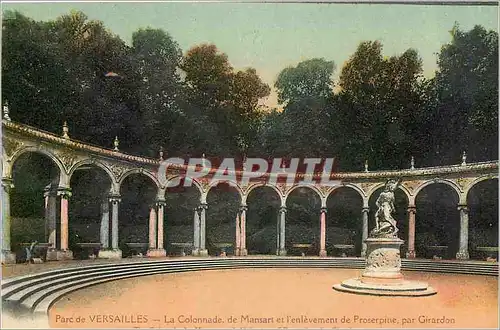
(60, 250)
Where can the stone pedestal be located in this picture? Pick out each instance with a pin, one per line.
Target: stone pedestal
(382, 274)
(110, 254)
(157, 253)
(8, 257)
(53, 255)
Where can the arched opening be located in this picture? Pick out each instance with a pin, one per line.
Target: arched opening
(400, 215)
(437, 223)
(179, 223)
(344, 222)
(302, 229)
(89, 206)
(35, 178)
(223, 206)
(138, 196)
(482, 201)
(261, 225)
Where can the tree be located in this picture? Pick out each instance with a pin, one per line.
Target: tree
(380, 103)
(55, 71)
(223, 104)
(156, 57)
(309, 79)
(466, 87)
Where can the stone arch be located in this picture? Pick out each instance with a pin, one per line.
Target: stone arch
(304, 185)
(449, 183)
(257, 185)
(230, 183)
(343, 220)
(139, 171)
(98, 164)
(20, 152)
(437, 219)
(361, 193)
(195, 183)
(476, 181)
(409, 196)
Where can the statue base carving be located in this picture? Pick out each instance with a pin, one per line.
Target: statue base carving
(382, 274)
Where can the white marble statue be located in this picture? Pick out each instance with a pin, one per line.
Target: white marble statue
(385, 224)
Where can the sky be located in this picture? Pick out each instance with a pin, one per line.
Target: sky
(273, 36)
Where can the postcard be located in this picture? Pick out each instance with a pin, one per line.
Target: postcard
(250, 164)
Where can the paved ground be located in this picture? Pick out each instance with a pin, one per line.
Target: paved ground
(271, 298)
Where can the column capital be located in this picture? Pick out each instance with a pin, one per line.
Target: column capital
(282, 209)
(7, 184)
(243, 208)
(365, 210)
(324, 210)
(114, 198)
(463, 207)
(64, 192)
(203, 206)
(412, 209)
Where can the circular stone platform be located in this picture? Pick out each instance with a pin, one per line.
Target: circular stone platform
(403, 288)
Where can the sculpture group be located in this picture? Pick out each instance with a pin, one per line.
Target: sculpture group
(382, 274)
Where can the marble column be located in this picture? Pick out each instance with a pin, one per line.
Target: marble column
(196, 232)
(203, 212)
(104, 233)
(282, 250)
(322, 234)
(278, 220)
(161, 214)
(238, 235)
(65, 195)
(243, 234)
(463, 250)
(364, 233)
(156, 230)
(114, 200)
(410, 254)
(114, 252)
(62, 252)
(152, 228)
(8, 257)
(51, 217)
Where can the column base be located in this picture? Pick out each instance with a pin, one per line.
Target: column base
(462, 255)
(237, 252)
(156, 253)
(195, 252)
(8, 257)
(281, 252)
(203, 252)
(110, 254)
(243, 252)
(411, 255)
(59, 255)
(322, 253)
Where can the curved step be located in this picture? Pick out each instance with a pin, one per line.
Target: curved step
(35, 293)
